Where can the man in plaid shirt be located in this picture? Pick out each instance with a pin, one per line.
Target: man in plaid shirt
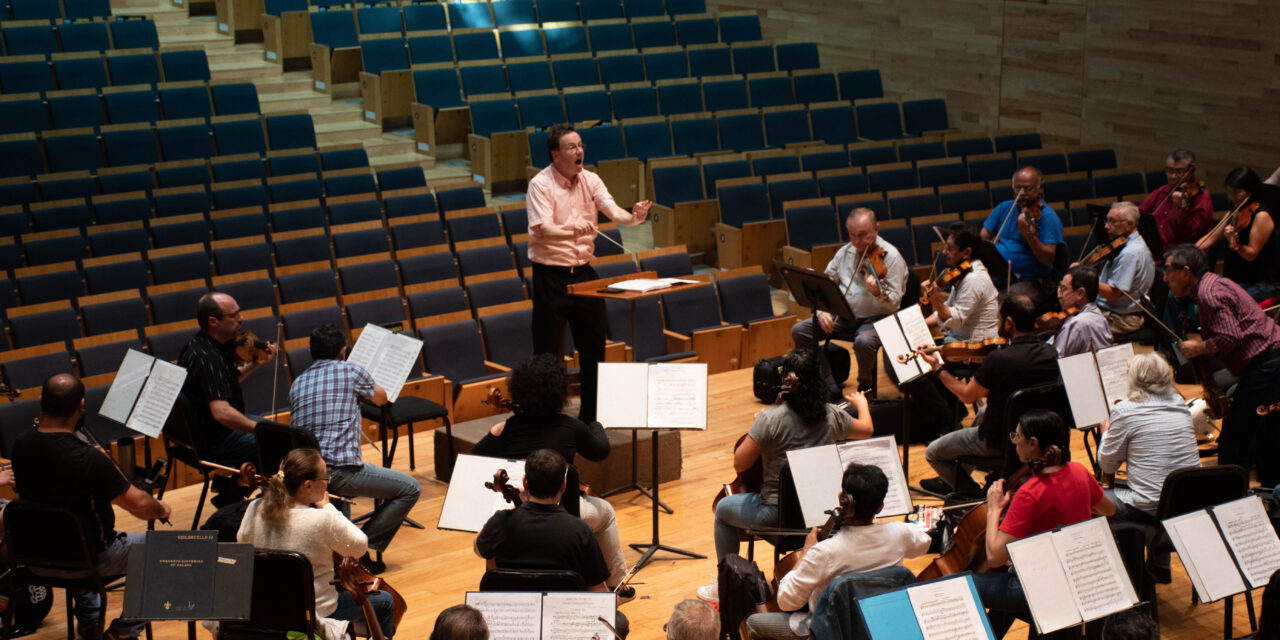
(325, 399)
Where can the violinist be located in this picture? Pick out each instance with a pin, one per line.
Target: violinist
(871, 296)
(1025, 230)
(223, 433)
(1087, 329)
(859, 545)
(971, 311)
(295, 515)
(1242, 337)
(1180, 216)
(1251, 260)
(1026, 361)
(539, 387)
(804, 420)
(324, 399)
(1131, 271)
(55, 467)
(1058, 493)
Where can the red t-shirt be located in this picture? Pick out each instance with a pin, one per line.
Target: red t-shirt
(1051, 500)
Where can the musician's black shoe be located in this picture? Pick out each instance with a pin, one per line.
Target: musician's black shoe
(626, 594)
(372, 566)
(936, 485)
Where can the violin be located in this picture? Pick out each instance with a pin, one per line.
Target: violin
(966, 352)
(948, 279)
(1105, 251)
(1053, 320)
(1268, 409)
(1244, 217)
(249, 348)
(751, 480)
(968, 548)
(1033, 222)
(873, 262)
(1191, 192)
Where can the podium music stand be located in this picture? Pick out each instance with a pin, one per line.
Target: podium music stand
(597, 289)
(231, 591)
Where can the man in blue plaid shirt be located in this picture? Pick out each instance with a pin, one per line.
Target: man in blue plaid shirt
(325, 399)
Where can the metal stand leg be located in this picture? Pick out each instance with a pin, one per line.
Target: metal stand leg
(647, 550)
(635, 485)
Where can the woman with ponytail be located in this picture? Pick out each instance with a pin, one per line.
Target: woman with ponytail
(295, 515)
(1058, 493)
(859, 545)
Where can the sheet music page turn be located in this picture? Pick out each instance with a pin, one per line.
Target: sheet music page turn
(1113, 370)
(126, 386)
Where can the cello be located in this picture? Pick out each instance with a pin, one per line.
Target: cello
(968, 548)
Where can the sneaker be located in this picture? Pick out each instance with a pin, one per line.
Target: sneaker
(936, 485)
(709, 592)
(626, 594)
(372, 566)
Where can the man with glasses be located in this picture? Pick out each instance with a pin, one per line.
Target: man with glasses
(1131, 271)
(1087, 330)
(223, 434)
(562, 204)
(325, 400)
(1179, 217)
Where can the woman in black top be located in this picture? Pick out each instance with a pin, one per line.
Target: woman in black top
(538, 388)
(1251, 259)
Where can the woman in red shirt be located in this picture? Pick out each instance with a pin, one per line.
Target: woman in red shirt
(1058, 493)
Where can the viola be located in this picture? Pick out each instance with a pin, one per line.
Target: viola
(1244, 217)
(249, 348)
(1105, 251)
(966, 352)
(1053, 320)
(751, 480)
(948, 279)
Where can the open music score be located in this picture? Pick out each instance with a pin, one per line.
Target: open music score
(1226, 549)
(551, 615)
(143, 393)
(636, 395)
(900, 334)
(818, 470)
(387, 356)
(947, 608)
(1095, 381)
(468, 503)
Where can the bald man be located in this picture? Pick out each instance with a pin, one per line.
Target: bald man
(1026, 235)
(1131, 271)
(222, 432)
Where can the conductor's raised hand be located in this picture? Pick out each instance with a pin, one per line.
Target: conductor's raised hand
(640, 210)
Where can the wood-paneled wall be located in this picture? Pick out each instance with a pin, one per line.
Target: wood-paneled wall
(1144, 76)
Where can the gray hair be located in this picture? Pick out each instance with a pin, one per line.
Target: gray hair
(1129, 210)
(693, 620)
(1178, 155)
(1149, 375)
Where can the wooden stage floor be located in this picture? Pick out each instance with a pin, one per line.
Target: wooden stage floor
(433, 569)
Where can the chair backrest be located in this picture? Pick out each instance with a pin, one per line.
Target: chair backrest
(276, 440)
(41, 535)
(16, 418)
(532, 580)
(283, 595)
(1189, 489)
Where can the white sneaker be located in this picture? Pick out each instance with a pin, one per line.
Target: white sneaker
(709, 592)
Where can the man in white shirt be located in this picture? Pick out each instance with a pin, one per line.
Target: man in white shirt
(1131, 271)
(972, 310)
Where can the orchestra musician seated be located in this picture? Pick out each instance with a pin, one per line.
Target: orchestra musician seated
(859, 545)
(1085, 329)
(1057, 493)
(460, 622)
(1151, 434)
(1026, 231)
(1130, 271)
(804, 420)
(295, 514)
(1180, 215)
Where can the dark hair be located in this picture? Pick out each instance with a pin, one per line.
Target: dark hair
(298, 466)
(1087, 277)
(1131, 624)
(544, 471)
(460, 622)
(964, 237)
(538, 385)
(1051, 435)
(1187, 255)
(1021, 310)
(864, 488)
(1178, 155)
(554, 133)
(808, 398)
(207, 307)
(1243, 178)
(61, 395)
(327, 342)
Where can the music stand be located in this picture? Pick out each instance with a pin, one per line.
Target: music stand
(819, 292)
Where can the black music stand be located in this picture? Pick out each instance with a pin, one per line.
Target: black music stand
(819, 292)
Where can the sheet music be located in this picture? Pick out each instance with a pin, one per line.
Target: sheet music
(1113, 370)
(1084, 390)
(122, 395)
(881, 452)
(622, 395)
(641, 284)
(946, 610)
(468, 503)
(1251, 538)
(574, 615)
(387, 356)
(509, 615)
(1044, 582)
(1094, 570)
(1204, 555)
(155, 402)
(895, 343)
(817, 472)
(677, 396)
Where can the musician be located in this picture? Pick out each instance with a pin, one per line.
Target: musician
(1252, 260)
(460, 622)
(859, 545)
(1235, 330)
(1029, 240)
(870, 298)
(55, 467)
(804, 420)
(971, 310)
(1132, 270)
(1180, 218)
(539, 388)
(294, 514)
(1026, 361)
(1058, 493)
(562, 202)
(223, 433)
(1150, 432)
(325, 400)
(693, 620)
(540, 534)
(1088, 329)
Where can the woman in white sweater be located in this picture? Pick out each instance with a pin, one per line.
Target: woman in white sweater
(295, 515)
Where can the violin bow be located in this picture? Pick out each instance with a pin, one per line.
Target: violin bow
(1084, 247)
(275, 375)
(1138, 303)
(1177, 185)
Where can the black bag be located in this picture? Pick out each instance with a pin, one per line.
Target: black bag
(766, 379)
(838, 359)
(886, 420)
(743, 588)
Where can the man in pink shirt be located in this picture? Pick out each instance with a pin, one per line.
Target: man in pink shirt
(562, 202)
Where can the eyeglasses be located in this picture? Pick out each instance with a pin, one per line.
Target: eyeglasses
(233, 314)
(1014, 436)
(576, 146)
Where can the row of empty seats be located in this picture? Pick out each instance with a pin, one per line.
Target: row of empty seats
(23, 113)
(55, 9)
(87, 70)
(40, 37)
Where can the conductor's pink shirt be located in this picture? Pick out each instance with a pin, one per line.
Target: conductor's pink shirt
(554, 200)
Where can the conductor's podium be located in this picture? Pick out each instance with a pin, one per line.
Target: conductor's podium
(613, 472)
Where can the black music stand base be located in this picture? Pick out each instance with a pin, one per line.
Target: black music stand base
(649, 549)
(635, 485)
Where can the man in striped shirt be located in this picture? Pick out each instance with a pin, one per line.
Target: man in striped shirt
(1237, 332)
